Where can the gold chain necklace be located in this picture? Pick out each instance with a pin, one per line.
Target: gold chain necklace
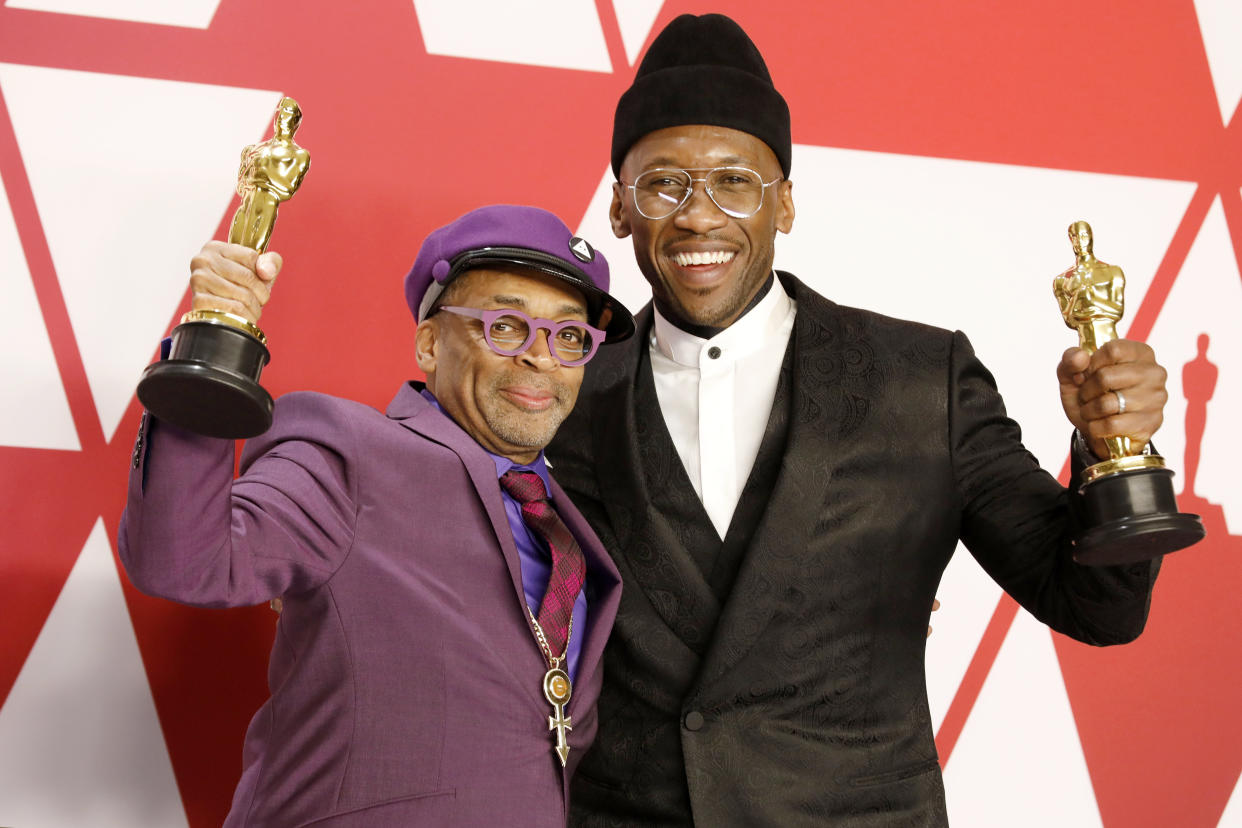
(557, 687)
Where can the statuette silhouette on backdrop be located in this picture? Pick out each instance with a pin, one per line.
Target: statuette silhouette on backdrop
(210, 382)
(1128, 504)
(1198, 385)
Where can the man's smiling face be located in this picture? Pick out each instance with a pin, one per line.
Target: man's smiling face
(511, 405)
(703, 265)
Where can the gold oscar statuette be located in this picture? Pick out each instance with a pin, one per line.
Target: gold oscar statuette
(1128, 507)
(209, 384)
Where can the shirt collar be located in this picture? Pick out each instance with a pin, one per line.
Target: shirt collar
(503, 464)
(748, 334)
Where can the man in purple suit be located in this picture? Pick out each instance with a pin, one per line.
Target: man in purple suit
(445, 607)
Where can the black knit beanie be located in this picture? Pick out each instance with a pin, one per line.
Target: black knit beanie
(702, 70)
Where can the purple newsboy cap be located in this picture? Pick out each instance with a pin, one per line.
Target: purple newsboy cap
(508, 234)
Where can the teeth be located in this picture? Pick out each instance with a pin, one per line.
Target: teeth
(700, 258)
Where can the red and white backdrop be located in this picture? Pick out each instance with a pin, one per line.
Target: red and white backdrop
(941, 150)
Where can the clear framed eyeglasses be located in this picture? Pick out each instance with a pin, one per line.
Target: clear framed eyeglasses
(737, 191)
(510, 332)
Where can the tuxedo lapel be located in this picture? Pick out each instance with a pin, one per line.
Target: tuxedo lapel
(797, 508)
(622, 489)
(639, 474)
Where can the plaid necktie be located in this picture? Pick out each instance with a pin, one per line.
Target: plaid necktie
(568, 565)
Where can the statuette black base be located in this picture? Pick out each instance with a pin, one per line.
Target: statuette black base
(1132, 516)
(210, 382)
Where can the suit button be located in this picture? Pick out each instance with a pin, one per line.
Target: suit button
(137, 456)
(694, 720)
(713, 352)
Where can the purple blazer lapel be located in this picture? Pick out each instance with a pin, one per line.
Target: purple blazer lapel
(411, 410)
(604, 579)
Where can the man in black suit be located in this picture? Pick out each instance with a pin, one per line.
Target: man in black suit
(782, 481)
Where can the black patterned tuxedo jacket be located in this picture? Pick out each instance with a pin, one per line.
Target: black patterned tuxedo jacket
(776, 678)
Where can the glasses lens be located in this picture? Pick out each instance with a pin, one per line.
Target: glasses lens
(509, 333)
(658, 193)
(736, 190)
(572, 342)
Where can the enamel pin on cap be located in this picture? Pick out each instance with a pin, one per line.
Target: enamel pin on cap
(581, 249)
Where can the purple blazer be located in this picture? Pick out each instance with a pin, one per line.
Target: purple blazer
(405, 681)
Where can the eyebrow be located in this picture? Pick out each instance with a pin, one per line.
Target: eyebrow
(728, 161)
(519, 302)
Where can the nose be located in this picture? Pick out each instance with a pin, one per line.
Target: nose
(539, 355)
(699, 214)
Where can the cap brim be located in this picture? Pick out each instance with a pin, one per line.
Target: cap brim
(621, 324)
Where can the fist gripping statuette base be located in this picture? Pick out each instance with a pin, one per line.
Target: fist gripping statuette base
(1127, 504)
(210, 382)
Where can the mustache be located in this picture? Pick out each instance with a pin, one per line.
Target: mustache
(537, 382)
(713, 236)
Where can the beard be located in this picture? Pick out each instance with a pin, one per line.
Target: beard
(710, 307)
(521, 427)
(699, 309)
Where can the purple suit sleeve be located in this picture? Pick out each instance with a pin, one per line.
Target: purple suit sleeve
(191, 533)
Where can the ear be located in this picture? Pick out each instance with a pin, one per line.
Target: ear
(785, 207)
(616, 212)
(426, 347)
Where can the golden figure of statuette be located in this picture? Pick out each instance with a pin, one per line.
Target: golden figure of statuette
(270, 173)
(1129, 509)
(210, 382)
(1092, 299)
(1091, 293)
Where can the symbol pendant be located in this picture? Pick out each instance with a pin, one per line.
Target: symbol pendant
(557, 689)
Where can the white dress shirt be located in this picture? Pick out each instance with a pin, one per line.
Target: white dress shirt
(716, 396)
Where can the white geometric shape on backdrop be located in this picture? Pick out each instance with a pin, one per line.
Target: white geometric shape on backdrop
(961, 244)
(559, 33)
(974, 246)
(1220, 23)
(626, 283)
(1206, 298)
(635, 18)
(1232, 816)
(124, 211)
(193, 14)
(34, 412)
(969, 598)
(1020, 743)
(80, 741)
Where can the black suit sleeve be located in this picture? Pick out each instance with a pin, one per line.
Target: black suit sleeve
(1018, 521)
